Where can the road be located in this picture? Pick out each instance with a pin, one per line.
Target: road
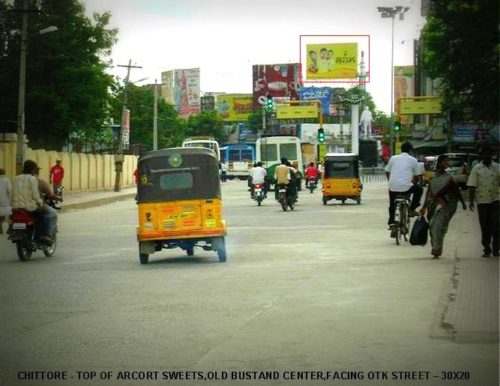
(322, 288)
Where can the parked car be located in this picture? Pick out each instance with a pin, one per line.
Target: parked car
(459, 167)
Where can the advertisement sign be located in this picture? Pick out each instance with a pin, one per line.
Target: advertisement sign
(464, 132)
(420, 106)
(187, 91)
(126, 129)
(277, 80)
(207, 103)
(323, 94)
(167, 86)
(332, 61)
(292, 112)
(235, 107)
(404, 79)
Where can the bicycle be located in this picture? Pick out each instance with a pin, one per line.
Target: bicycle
(402, 218)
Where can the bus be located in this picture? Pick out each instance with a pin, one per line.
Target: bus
(238, 159)
(270, 150)
(207, 142)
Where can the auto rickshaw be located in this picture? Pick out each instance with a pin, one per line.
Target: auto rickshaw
(341, 177)
(179, 202)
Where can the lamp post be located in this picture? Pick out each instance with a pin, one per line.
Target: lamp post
(22, 86)
(391, 12)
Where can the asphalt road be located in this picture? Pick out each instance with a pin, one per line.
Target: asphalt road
(320, 292)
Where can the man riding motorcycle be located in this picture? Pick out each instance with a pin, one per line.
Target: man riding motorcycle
(312, 174)
(25, 195)
(258, 177)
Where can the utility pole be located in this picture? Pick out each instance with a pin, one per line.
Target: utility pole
(22, 92)
(155, 119)
(119, 153)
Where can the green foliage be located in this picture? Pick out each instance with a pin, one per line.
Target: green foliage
(66, 80)
(207, 123)
(461, 48)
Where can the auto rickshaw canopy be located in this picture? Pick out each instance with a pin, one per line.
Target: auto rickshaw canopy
(178, 174)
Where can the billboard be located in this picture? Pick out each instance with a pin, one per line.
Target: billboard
(332, 61)
(167, 86)
(293, 112)
(278, 80)
(235, 107)
(323, 94)
(187, 91)
(404, 79)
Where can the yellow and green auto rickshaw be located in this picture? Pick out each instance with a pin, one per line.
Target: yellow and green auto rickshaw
(179, 201)
(341, 177)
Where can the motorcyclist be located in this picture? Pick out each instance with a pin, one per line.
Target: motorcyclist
(49, 199)
(25, 195)
(282, 176)
(292, 188)
(312, 174)
(258, 176)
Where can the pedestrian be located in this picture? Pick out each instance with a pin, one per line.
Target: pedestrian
(223, 170)
(441, 203)
(5, 197)
(483, 182)
(56, 174)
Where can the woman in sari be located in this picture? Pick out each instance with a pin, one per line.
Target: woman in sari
(441, 204)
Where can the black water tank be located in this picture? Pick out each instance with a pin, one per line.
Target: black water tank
(368, 153)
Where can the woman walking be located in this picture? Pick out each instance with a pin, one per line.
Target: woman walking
(441, 203)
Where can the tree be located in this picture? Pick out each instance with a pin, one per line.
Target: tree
(461, 49)
(66, 80)
(171, 130)
(207, 123)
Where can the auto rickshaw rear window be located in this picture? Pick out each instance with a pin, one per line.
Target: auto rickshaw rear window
(176, 181)
(340, 169)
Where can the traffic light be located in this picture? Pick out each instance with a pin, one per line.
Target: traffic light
(321, 135)
(397, 125)
(269, 102)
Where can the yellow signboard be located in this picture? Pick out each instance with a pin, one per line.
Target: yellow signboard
(420, 106)
(235, 107)
(332, 61)
(290, 112)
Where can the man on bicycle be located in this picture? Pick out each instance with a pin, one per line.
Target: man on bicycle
(401, 172)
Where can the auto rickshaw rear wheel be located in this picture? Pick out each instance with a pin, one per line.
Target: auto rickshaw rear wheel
(190, 251)
(221, 252)
(144, 257)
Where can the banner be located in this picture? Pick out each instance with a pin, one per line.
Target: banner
(277, 80)
(187, 91)
(404, 79)
(420, 106)
(332, 61)
(292, 112)
(323, 94)
(234, 107)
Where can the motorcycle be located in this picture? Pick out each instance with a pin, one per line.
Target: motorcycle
(258, 193)
(313, 184)
(284, 198)
(23, 232)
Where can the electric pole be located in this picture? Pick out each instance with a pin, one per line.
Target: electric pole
(119, 152)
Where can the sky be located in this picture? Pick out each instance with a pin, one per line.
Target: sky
(224, 38)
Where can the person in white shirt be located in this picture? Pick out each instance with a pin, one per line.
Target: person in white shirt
(25, 195)
(258, 175)
(401, 172)
(483, 183)
(5, 193)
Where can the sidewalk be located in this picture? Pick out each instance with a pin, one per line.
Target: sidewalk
(472, 311)
(81, 200)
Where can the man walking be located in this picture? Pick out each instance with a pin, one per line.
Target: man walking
(483, 185)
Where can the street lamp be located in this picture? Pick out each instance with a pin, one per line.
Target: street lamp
(391, 12)
(22, 88)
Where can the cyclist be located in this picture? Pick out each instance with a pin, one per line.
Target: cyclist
(401, 172)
